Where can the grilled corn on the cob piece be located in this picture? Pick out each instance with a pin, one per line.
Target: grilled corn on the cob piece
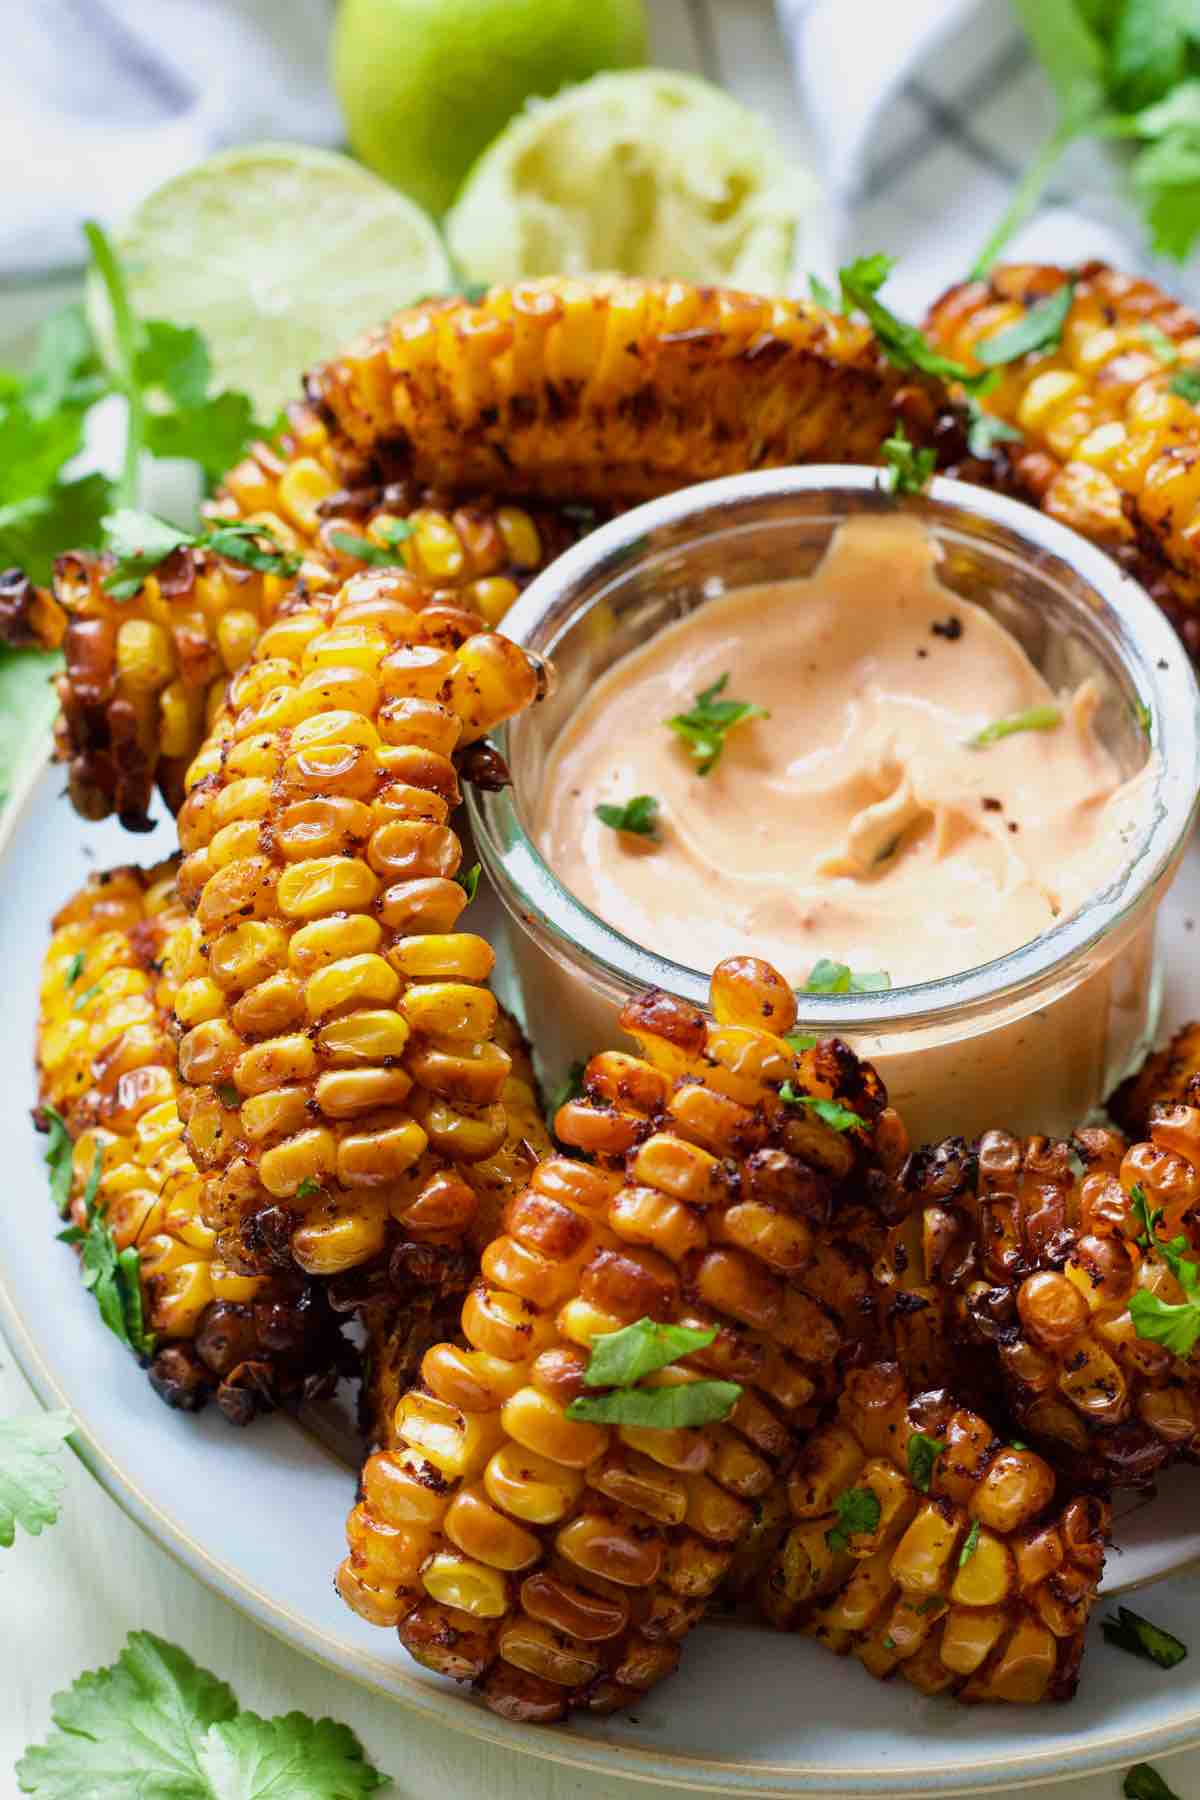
(614, 389)
(1108, 446)
(106, 1065)
(1018, 1269)
(556, 1561)
(336, 1034)
(1166, 1077)
(923, 1543)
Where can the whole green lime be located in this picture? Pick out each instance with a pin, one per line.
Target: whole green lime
(425, 85)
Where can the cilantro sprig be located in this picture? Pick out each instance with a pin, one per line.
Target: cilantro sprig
(857, 1509)
(387, 555)
(909, 470)
(922, 1453)
(827, 977)
(1040, 329)
(638, 816)
(30, 1480)
(620, 1361)
(58, 1159)
(904, 345)
(1176, 1326)
(831, 1112)
(141, 543)
(706, 725)
(155, 1722)
(111, 1275)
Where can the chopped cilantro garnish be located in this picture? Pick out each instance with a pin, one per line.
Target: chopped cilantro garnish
(469, 882)
(1176, 1326)
(141, 542)
(58, 1159)
(394, 532)
(832, 1112)
(985, 430)
(909, 469)
(228, 1095)
(904, 345)
(826, 977)
(822, 293)
(923, 1451)
(1186, 383)
(74, 968)
(1040, 329)
(1034, 718)
(1142, 714)
(970, 1544)
(799, 1041)
(659, 1409)
(857, 1509)
(81, 999)
(638, 816)
(1130, 1631)
(113, 1276)
(622, 1358)
(1166, 352)
(309, 1188)
(705, 728)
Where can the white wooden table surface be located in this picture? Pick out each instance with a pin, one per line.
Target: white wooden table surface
(68, 1599)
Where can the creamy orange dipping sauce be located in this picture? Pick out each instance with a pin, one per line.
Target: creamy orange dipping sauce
(856, 822)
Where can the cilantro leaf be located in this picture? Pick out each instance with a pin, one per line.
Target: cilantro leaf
(638, 816)
(1176, 1326)
(1034, 718)
(141, 541)
(826, 977)
(113, 1276)
(30, 1482)
(832, 1112)
(659, 1409)
(799, 1041)
(228, 1094)
(923, 1451)
(1143, 1782)
(1158, 341)
(58, 1160)
(622, 1358)
(66, 368)
(74, 969)
(970, 1544)
(35, 530)
(1166, 178)
(1140, 1637)
(857, 1509)
(1040, 329)
(290, 1758)
(1187, 385)
(174, 358)
(705, 727)
(213, 433)
(909, 469)
(156, 1726)
(822, 293)
(1148, 52)
(904, 345)
(309, 1188)
(469, 882)
(379, 556)
(985, 430)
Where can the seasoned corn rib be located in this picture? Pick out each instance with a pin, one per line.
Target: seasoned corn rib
(1018, 1269)
(556, 1562)
(336, 1033)
(106, 1064)
(143, 676)
(1166, 1077)
(966, 1570)
(613, 389)
(1107, 447)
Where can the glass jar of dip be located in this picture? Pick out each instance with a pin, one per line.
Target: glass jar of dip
(1031, 1041)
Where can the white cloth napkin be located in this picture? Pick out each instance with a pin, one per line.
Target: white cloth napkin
(104, 99)
(925, 114)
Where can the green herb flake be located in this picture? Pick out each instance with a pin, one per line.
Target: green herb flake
(922, 1452)
(1140, 1637)
(800, 1041)
(30, 1480)
(970, 1544)
(469, 882)
(1186, 383)
(1034, 718)
(1143, 1782)
(823, 295)
(1040, 329)
(112, 1276)
(826, 977)
(1158, 341)
(831, 1112)
(309, 1188)
(74, 969)
(394, 532)
(228, 1095)
(909, 469)
(141, 542)
(638, 816)
(904, 345)
(622, 1358)
(58, 1159)
(81, 999)
(889, 1642)
(858, 1510)
(1176, 1326)
(985, 430)
(659, 1409)
(1142, 715)
(706, 726)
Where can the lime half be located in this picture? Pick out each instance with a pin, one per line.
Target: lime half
(647, 172)
(279, 254)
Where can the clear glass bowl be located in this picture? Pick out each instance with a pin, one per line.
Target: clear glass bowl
(1031, 1041)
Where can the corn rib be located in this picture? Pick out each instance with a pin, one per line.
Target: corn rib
(106, 1065)
(923, 1544)
(557, 1562)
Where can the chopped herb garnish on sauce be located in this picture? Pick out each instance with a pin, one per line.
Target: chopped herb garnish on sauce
(826, 977)
(832, 1112)
(705, 727)
(1140, 1637)
(638, 816)
(1034, 718)
(857, 1509)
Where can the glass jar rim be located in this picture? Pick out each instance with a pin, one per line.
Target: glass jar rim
(1146, 644)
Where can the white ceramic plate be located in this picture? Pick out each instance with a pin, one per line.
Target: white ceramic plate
(258, 1514)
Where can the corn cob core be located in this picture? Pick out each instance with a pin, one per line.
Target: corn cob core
(555, 1561)
(1107, 446)
(977, 1581)
(106, 1063)
(336, 1035)
(1032, 1266)
(143, 677)
(614, 389)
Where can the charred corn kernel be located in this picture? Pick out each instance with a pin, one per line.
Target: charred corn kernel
(150, 1190)
(618, 1533)
(938, 1587)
